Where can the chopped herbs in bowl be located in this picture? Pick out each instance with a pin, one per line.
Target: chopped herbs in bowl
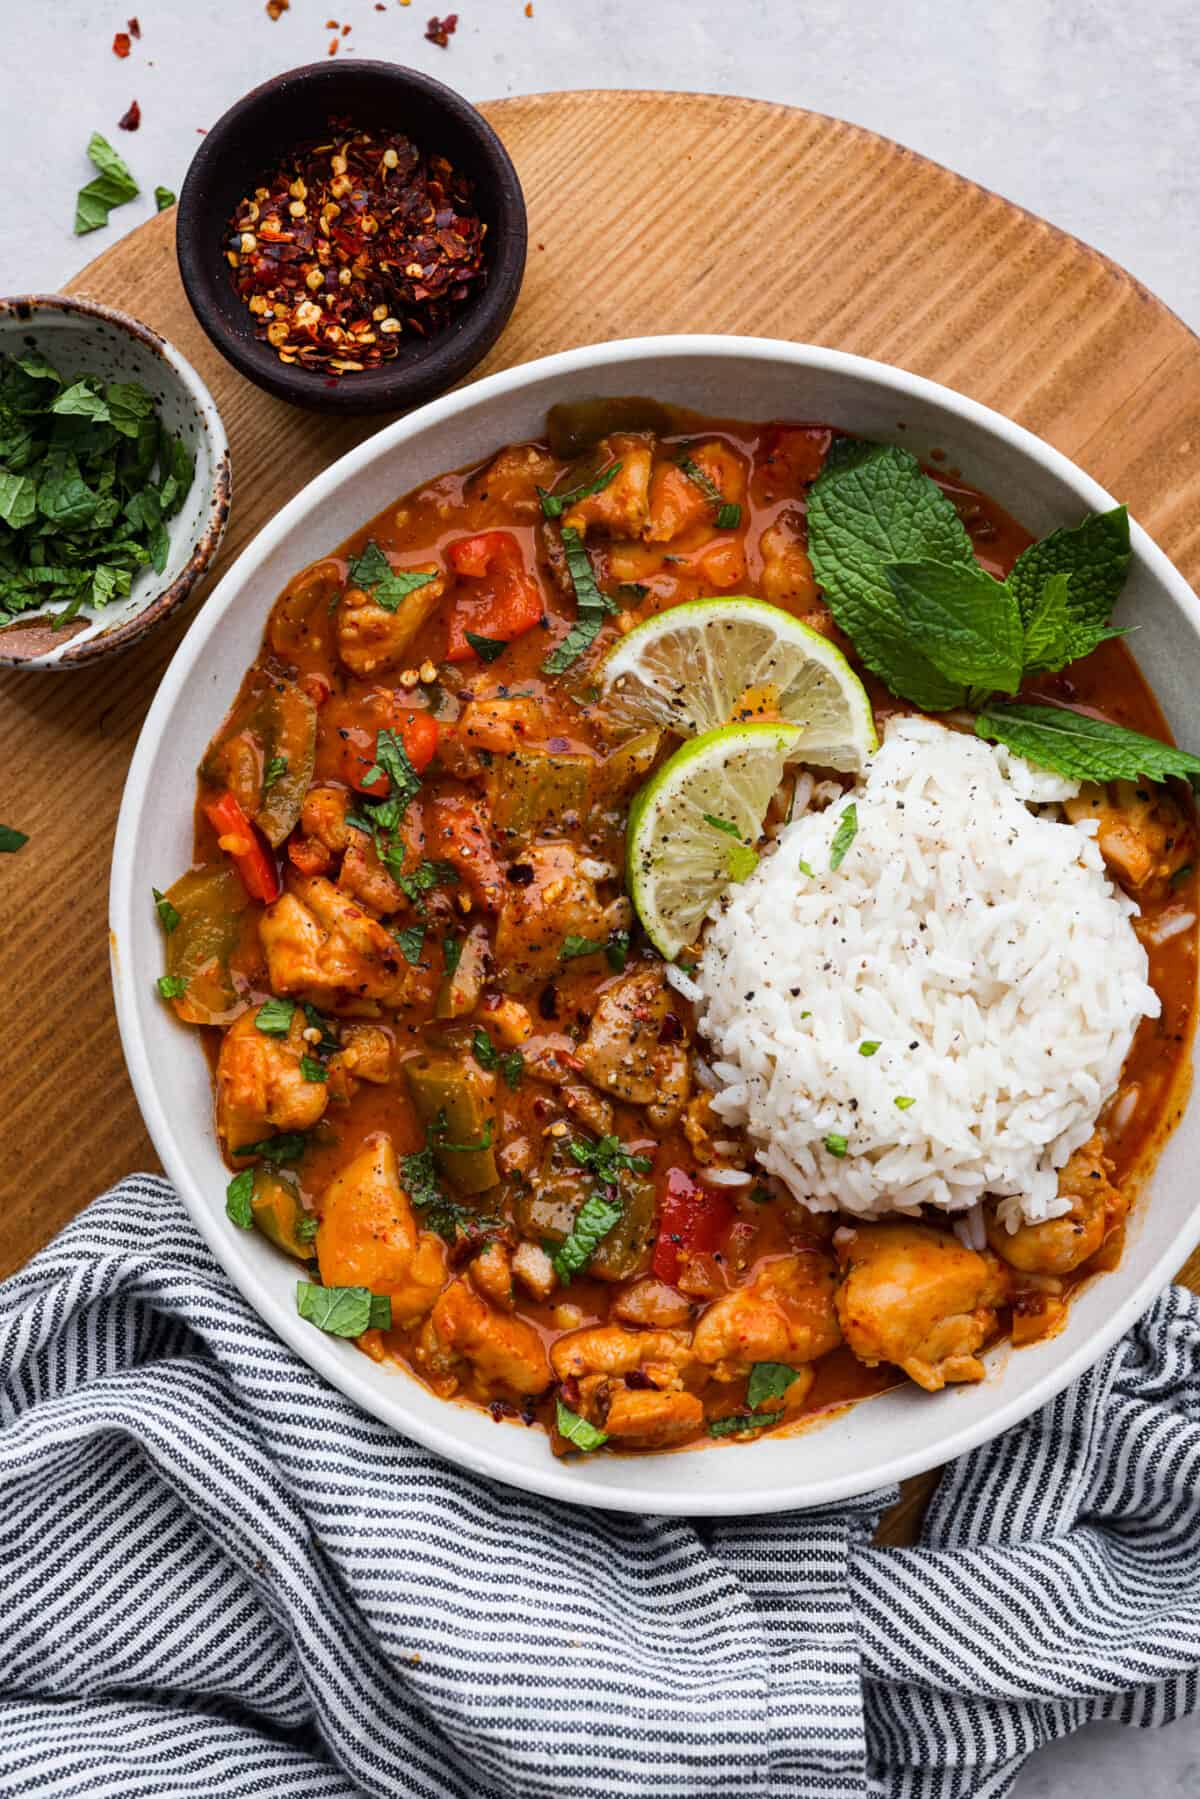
(114, 480)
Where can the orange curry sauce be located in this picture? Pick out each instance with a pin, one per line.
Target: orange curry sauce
(533, 1119)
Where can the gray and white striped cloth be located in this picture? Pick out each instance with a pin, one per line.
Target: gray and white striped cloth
(218, 1577)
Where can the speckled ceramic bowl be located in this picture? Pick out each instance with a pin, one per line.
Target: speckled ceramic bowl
(81, 337)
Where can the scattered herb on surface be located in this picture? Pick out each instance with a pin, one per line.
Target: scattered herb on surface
(327, 1042)
(843, 837)
(903, 1101)
(168, 916)
(163, 197)
(616, 951)
(868, 1047)
(171, 986)
(274, 1017)
(806, 870)
(343, 1311)
(439, 1213)
(387, 586)
(593, 1221)
(289, 1146)
(275, 770)
(577, 1430)
(741, 859)
(452, 948)
(12, 840)
(591, 604)
(424, 878)
(835, 1143)
(555, 504)
(113, 185)
(740, 1423)
(412, 942)
(486, 648)
(608, 1159)
(312, 1070)
(768, 1380)
(382, 817)
(306, 1227)
(238, 1195)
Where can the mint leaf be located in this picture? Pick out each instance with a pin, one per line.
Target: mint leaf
(237, 1200)
(274, 1017)
(739, 1424)
(171, 986)
(343, 1311)
(964, 622)
(113, 186)
(387, 586)
(1082, 748)
(1048, 626)
(288, 1146)
(12, 840)
(311, 1070)
(412, 942)
(593, 1221)
(163, 197)
(486, 648)
(591, 606)
(871, 506)
(555, 504)
(1094, 554)
(484, 1050)
(577, 1430)
(168, 915)
(843, 837)
(768, 1380)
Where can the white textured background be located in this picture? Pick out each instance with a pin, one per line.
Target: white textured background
(1085, 111)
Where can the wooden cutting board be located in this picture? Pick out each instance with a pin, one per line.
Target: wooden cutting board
(648, 213)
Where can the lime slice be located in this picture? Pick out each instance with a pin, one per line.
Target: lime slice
(694, 825)
(708, 663)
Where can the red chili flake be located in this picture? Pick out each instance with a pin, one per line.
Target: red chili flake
(276, 8)
(440, 31)
(529, 9)
(379, 6)
(346, 30)
(121, 44)
(353, 245)
(333, 45)
(135, 29)
(132, 119)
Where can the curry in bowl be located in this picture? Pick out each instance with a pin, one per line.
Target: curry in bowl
(694, 923)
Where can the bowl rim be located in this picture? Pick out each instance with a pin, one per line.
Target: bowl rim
(162, 604)
(553, 1480)
(451, 354)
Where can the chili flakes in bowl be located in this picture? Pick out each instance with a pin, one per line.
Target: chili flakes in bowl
(353, 243)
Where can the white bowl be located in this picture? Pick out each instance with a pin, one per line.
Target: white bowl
(82, 337)
(897, 1434)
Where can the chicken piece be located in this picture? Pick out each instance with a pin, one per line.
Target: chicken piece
(364, 877)
(322, 946)
(1061, 1244)
(511, 1022)
(618, 510)
(457, 832)
(651, 1304)
(915, 1296)
(787, 574)
(784, 1313)
(534, 1269)
(512, 479)
(259, 1084)
(591, 1108)
(504, 1353)
(1142, 834)
(491, 1273)
(371, 640)
(500, 725)
(554, 901)
(642, 1417)
(323, 816)
(678, 501)
(624, 1053)
(605, 1349)
(368, 1236)
(365, 1055)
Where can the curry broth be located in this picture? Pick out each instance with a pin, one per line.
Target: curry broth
(301, 646)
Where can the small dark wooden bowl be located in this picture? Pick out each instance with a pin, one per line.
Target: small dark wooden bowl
(251, 138)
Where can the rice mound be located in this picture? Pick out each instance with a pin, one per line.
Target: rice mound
(973, 934)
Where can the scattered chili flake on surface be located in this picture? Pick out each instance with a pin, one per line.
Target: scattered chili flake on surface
(529, 9)
(135, 29)
(352, 244)
(132, 119)
(440, 31)
(121, 44)
(333, 45)
(346, 30)
(276, 8)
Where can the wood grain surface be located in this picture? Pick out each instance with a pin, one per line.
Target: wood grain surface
(647, 213)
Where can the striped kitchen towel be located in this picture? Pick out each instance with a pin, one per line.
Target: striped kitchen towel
(218, 1577)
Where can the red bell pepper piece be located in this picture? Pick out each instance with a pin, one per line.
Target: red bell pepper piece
(691, 1219)
(238, 838)
(501, 598)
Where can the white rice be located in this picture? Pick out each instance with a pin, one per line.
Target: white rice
(975, 938)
